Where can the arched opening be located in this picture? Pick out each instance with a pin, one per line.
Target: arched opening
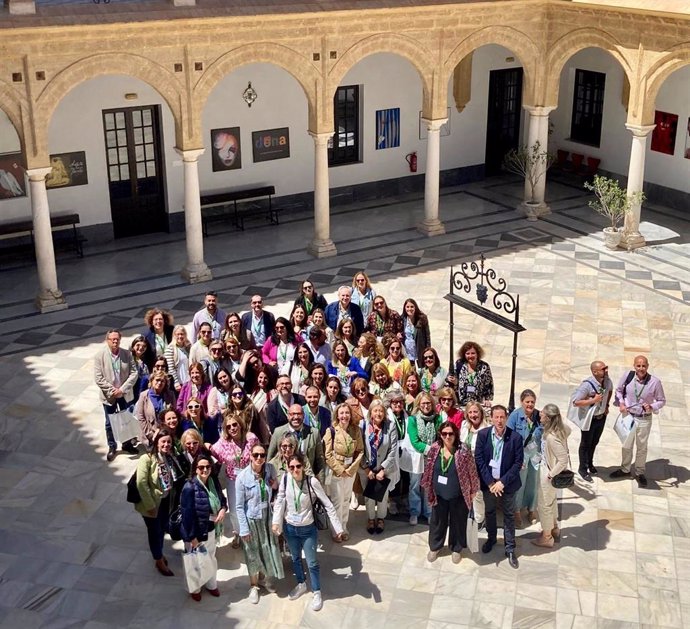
(111, 141)
(13, 186)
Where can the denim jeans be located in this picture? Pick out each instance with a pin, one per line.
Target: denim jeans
(418, 501)
(119, 405)
(304, 538)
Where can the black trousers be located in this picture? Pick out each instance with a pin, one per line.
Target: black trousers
(589, 440)
(157, 527)
(449, 514)
(509, 508)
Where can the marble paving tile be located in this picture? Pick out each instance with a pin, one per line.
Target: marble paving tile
(615, 607)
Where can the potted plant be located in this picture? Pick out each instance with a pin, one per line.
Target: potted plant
(614, 203)
(531, 163)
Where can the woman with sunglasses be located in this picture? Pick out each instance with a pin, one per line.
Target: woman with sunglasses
(383, 320)
(412, 387)
(160, 367)
(381, 381)
(363, 294)
(447, 407)
(156, 475)
(344, 366)
(279, 349)
(451, 483)
(234, 329)
(360, 401)
(233, 451)
(195, 417)
(474, 420)
(233, 354)
(397, 364)
(177, 356)
(203, 511)
(309, 299)
(334, 395)
(432, 375)
(197, 387)
(346, 332)
(294, 516)
(191, 445)
(416, 334)
(343, 449)
(219, 396)
(216, 361)
(151, 404)
(299, 369)
(254, 491)
(298, 320)
(287, 446)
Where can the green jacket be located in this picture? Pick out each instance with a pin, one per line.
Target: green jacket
(413, 433)
(148, 485)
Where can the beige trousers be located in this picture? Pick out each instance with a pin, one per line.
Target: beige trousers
(643, 426)
(546, 504)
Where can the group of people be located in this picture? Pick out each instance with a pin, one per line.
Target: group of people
(259, 428)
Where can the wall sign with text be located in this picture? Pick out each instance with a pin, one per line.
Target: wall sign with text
(69, 169)
(271, 144)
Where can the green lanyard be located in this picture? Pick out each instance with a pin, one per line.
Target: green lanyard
(497, 443)
(638, 394)
(298, 497)
(308, 305)
(445, 465)
(471, 378)
(262, 489)
(313, 418)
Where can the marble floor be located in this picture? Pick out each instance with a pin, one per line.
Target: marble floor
(74, 552)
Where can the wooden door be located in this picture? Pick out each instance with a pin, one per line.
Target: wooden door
(503, 124)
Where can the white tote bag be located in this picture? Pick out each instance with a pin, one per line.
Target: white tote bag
(624, 427)
(198, 568)
(125, 426)
(472, 533)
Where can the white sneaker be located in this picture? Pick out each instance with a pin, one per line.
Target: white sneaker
(317, 602)
(354, 502)
(297, 591)
(456, 557)
(413, 520)
(253, 595)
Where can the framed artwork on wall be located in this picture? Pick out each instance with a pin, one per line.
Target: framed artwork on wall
(271, 144)
(664, 134)
(69, 169)
(445, 127)
(387, 128)
(12, 183)
(226, 149)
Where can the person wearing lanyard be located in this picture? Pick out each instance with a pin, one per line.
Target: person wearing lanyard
(210, 314)
(475, 420)
(258, 321)
(293, 514)
(363, 294)
(472, 376)
(277, 409)
(316, 416)
(640, 394)
(150, 405)
(279, 348)
(451, 482)
(203, 508)
(159, 330)
(499, 456)
(254, 489)
(344, 308)
(397, 415)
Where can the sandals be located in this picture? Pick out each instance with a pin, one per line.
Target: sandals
(380, 524)
(371, 527)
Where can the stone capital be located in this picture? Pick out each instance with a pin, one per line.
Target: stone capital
(538, 111)
(640, 130)
(38, 174)
(435, 124)
(320, 138)
(190, 155)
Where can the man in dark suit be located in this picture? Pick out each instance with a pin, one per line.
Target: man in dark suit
(277, 410)
(258, 322)
(499, 455)
(344, 309)
(314, 415)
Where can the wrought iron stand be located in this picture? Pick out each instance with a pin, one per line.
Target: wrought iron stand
(485, 279)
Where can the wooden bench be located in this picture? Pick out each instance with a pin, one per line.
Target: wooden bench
(222, 206)
(12, 231)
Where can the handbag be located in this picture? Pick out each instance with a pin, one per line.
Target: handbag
(175, 525)
(199, 568)
(564, 479)
(625, 427)
(133, 494)
(376, 489)
(472, 533)
(125, 426)
(317, 509)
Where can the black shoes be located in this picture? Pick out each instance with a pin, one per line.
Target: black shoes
(593, 470)
(129, 448)
(488, 545)
(586, 476)
(112, 453)
(641, 480)
(512, 560)
(620, 474)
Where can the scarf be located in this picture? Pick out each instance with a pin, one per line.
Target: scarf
(426, 428)
(169, 471)
(374, 436)
(214, 504)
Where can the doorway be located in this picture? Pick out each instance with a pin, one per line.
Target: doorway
(505, 111)
(135, 175)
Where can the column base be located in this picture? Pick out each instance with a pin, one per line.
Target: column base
(632, 240)
(322, 248)
(51, 301)
(533, 210)
(431, 227)
(196, 273)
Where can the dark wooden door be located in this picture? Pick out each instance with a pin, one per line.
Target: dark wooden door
(505, 109)
(135, 177)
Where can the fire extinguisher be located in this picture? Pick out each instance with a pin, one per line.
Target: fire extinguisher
(412, 161)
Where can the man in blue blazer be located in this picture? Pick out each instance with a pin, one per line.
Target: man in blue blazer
(499, 455)
(258, 322)
(344, 309)
(314, 415)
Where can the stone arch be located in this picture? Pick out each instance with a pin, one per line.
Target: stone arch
(14, 104)
(566, 47)
(658, 73)
(294, 63)
(508, 37)
(152, 73)
(401, 45)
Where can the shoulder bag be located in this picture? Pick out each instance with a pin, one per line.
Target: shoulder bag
(317, 509)
(133, 494)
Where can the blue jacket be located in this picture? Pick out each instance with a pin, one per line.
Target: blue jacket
(517, 421)
(511, 461)
(275, 416)
(249, 505)
(268, 318)
(210, 429)
(324, 418)
(196, 509)
(332, 311)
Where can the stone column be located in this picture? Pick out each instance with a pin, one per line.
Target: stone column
(538, 131)
(632, 239)
(49, 298)
(431, 225)
(195, 270)
(321, 246)
(21, 7)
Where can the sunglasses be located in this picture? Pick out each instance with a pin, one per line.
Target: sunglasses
(257, 303)
(447, 433)
(205, 333)
(360, 279)
(294, 467)
(216, 349)
(192, 407)
(307, 287)
(258, 455)
(446, 399)
(378, 304)
(203, 467)
(233, 425)
(358, 391)
(279, 327)
(238, 394)
(287, 446)
(428, 358)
